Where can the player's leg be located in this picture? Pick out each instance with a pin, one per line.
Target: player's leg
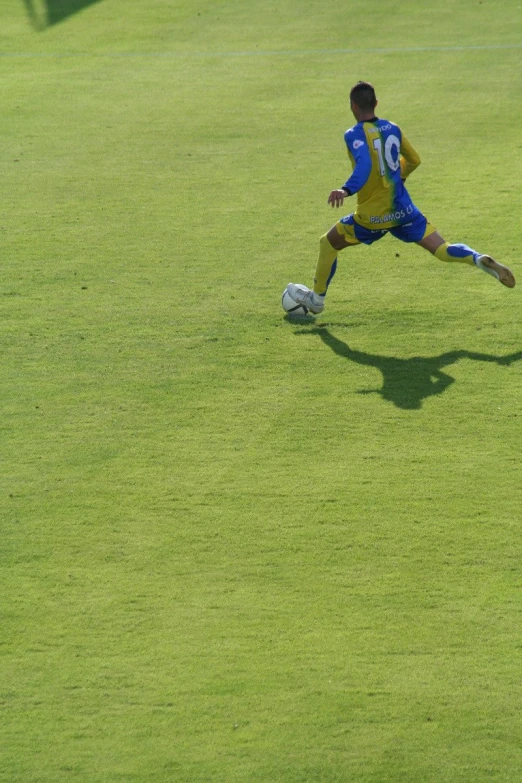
(435, 244)
(336, 239)
(329, 246)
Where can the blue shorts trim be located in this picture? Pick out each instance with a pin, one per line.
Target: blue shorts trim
(413, 231)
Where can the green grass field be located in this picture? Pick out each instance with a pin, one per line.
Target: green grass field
(237, 548)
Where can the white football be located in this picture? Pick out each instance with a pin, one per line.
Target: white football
(291, 306)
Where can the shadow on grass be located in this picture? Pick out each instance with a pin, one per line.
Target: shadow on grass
(407, 382)
(45, 13)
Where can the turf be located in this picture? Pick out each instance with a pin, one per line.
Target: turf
(237, 547)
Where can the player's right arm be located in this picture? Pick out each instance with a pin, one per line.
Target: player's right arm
(410, 158)
(359, 155)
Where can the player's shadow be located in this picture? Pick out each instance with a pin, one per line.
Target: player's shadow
(407, 382)
(45, 13)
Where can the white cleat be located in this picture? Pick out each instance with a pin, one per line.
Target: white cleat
(492, 267)
(305, 296)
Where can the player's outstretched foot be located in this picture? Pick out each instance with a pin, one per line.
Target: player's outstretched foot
(305, 296)
(492, 267)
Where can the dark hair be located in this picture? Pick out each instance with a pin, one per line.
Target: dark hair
(363, 95)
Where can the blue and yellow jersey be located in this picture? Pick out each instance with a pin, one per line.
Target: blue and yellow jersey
(381, 158)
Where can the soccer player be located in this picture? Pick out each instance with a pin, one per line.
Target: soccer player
(382, 158)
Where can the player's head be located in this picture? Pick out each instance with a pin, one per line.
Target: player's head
(363, 98)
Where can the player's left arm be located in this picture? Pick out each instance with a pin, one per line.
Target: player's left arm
(410, 158)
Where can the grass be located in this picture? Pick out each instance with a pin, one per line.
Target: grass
(236, 547)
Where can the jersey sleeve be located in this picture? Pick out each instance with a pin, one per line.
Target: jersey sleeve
(359, 154)
(410, 158)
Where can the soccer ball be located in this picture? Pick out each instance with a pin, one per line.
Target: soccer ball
(292, 307)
